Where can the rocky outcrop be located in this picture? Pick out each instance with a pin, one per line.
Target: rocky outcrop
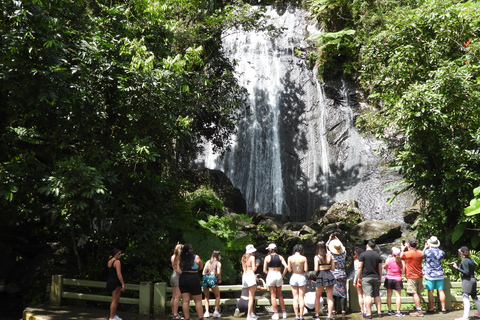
(379, 230)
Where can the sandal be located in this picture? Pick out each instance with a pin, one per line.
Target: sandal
(177, 317)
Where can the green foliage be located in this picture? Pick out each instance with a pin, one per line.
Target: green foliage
(103, 106)
(225, 234)
(474, 207)
(204, 202)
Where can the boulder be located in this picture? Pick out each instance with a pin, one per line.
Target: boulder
(346, 211)
(411, 214)
(379, 230)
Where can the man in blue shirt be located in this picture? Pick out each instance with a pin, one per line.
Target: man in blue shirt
(433, 272)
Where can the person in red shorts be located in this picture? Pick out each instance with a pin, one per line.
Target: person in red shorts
(413, 272)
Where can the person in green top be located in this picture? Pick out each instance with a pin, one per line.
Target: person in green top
(469, 283)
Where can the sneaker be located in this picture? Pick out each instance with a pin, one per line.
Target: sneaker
(316, 317)
(284, 315)
(253, 316)
(206, 314)
(379, 315)
(236, 314)
(275, 316)
(216, 314)
(430, 311)
(117, 317)
(416, 314)
(391, 313)
(305, 311)
(399, 314)
(476, 315)
(444, 311)
(367, 316)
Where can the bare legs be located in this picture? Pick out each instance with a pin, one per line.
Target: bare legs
(175, 299)
(251, 299)
(298, 302)
(318, 295)
(197, 299)
(441, 297)
(114, 304)
(360, 299)
(276, 292)
(216, 292)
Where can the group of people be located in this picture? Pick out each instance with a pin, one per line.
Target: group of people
(415, 265)
(329, 265)
(329, 277)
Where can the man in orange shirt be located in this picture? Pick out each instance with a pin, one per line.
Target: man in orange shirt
(413, 272)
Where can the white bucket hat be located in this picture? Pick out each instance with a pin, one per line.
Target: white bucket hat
(250, 249)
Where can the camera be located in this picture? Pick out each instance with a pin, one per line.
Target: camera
(454, 262)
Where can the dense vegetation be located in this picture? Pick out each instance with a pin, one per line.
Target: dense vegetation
(103, 105)
(418, 62)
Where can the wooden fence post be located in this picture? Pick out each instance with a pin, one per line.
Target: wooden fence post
(56, 290)
(145, 298)
(447, 288)
(352, 297)
(159, 299)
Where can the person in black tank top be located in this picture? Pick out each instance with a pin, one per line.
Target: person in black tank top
(272, 266)
(115, 284)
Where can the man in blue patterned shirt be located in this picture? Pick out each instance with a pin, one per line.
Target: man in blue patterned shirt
(433, 272)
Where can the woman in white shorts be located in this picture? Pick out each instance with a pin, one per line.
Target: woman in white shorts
(249, 280)
(272, 266)
(298, 266)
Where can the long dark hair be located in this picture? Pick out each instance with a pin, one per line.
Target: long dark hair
(114, 252)
(321, 252)
(186, 257)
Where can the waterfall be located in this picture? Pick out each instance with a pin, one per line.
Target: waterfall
(297, 150)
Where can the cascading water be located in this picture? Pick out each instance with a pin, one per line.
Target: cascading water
(298, 150)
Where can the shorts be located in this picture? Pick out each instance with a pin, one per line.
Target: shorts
(393, 284)
(434, 284)
(249, 279)
(209, 281)
(298, 280)
(415, 285)
(175, 279)
(190, 283)
(371, 287)
(274, 279)
(325, 278)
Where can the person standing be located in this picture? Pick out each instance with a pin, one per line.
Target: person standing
(356, 284)
(272, 266)
(212, 275)
(393, 281)
(298, 266)
(324, 264)
(174, 281)
(369, 275)
(189, 281)
(469, 283)
(249, 280)
(115, 284)
(413, 272)
(337, 250)
(433, 271)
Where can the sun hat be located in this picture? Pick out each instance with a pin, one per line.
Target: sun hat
(250, 249)
(433, 242)
(272, 246)
(336, 247)
(395, 251)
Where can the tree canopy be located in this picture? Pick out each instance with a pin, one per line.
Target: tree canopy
(104, 104)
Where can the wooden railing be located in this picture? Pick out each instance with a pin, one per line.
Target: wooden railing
(153, 297)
